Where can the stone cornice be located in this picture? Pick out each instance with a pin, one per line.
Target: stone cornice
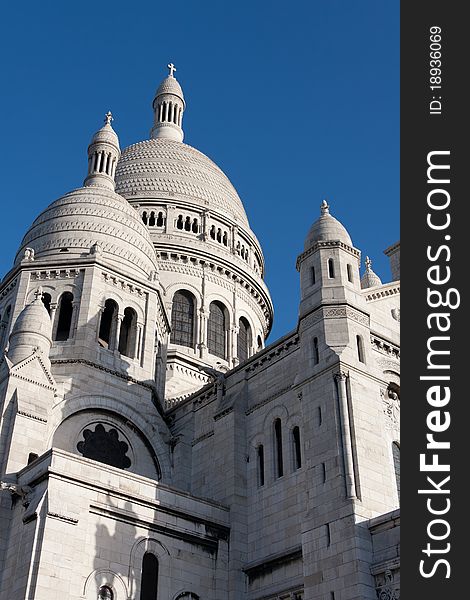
(384, 291)
(384, 346)
(336, 311)
(6, 289)
(326, 244)
(89, 363)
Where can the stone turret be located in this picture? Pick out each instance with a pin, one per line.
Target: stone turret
(329, 265)
(103, 154)
(32, 332)
(168, 106)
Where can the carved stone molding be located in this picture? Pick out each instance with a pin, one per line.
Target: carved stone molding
(55, 274)
(391, 407)
(387, 585)
(8, 288)
(385, 347)
(334, 312)
(122, 284)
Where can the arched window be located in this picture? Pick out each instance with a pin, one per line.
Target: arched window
(316, 354)
(108, 324)
(244, 339)
(105, 593)
(46, 300)
(260, 464)
(216, 327)
(182, 319)
(278, 448)
(128, 333)
(331, 268)
(144, 217)
(312, 276)
(180, 222)
(219, 235)
(225, 239)
(187, 224)
(260, 343)
(212, 232)
(4, 322)
(152, 219)
(297, 448)
(160, 220)
(350, 273)
(396, 464)
(149, 581)
(194, 227)
(64, 321)
(360, 349)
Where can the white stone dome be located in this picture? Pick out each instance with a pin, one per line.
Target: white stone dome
(106, 135)
(170, 86)
(369, 279)
(164, 168)
(90, 216)
(327, 229)
(32, 329)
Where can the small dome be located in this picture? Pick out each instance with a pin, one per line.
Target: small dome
(170, 86)
(327, 229)
(369, 279)
(32, 329)
(106, 135)
(73, 224)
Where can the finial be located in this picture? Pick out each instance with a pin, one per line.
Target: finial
(325, 208)
(368, 264)
(108, 117)
(38, 293)
(172, 68)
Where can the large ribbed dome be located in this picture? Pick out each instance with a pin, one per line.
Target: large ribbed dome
(71, 225)
(164, 168)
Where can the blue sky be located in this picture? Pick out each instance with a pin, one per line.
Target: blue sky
(295, 101)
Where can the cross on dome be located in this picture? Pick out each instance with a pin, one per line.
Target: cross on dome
(172, 68)
(108, 117)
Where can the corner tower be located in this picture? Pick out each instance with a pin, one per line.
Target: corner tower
(210, 264)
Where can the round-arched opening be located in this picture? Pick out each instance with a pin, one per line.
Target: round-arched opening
(182, 319)
(244, 340)
(216, 329)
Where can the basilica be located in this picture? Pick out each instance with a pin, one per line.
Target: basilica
(152, 447)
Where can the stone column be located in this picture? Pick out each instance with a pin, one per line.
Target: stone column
(138, 344)
(341, 378)
(234, 331)
(233, 242)
(74, 322)
(53, 307)
(119, 320)
(202, 333)
(205, 224)
(170, 217)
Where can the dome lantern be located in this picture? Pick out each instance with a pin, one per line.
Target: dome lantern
(168, 107)
(103, 154)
